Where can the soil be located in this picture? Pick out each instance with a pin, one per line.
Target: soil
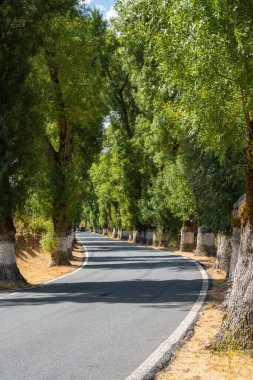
(35, 266)
(193, 361)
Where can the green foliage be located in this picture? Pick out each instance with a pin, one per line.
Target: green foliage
(48, 242)
(175, 78)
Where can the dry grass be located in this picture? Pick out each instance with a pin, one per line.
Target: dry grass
(35, 267)
(193, 361)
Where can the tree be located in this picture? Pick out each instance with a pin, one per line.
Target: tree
(202, 52)
(70, 75)
(19, 33)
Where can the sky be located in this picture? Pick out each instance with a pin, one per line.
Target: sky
(106, 6)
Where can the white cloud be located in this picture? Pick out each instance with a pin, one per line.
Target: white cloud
(111, 13)
(82, 2)
(100, 7)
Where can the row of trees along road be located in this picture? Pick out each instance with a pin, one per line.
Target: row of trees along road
(52, 106)
(175, 78)
(178, 149)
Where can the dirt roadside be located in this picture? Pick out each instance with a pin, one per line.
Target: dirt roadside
(35, 267)
(193, 361)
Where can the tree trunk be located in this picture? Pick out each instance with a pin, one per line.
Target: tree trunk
(8, 266)
(59, 256)
(148, 236)
(130, 236)
(105, 231)
(237, 325)
(136, 236)
(61, 160)
(224, 252)
(165, 239)
(155, 238)
(70, 243)
(205, 243)
(235, 243)
(74, 241)
(124, 235)
(236, 240)
(187, 237)
(114, 233)
(143, 236)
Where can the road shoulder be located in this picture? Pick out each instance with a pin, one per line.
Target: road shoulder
(193, 360)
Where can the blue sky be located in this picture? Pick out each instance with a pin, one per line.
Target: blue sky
(106, 6)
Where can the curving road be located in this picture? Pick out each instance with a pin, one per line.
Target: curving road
(103, 321)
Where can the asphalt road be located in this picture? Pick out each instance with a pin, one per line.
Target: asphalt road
(100, 323)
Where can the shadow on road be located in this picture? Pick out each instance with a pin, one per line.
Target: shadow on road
(162, 288)
(164, 293)
(139, 262)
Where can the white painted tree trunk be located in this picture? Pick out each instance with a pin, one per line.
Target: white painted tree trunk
(237, 327)
(236, 240)
(155, 239)
(136, 236)
(205, 243)
(114, 233)
(149, 236)
(8, 266)
(130, 236)
(59, 255)
(224, 252)
(187, 237)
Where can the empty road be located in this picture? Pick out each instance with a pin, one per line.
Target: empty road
(101, 322)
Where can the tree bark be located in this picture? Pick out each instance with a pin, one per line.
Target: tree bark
(136, 236)
(158, 235)
(155, 238)
(165, 239)
(148, 237)
(237, 325)
(114, 233)
(8, 266)
(125, 235)
(70, 243)
(205, 243)
(60, 256)
(130, 236)
(224, 252)
(61, 165)
(187, 237)
(236, 240)
(105, 231)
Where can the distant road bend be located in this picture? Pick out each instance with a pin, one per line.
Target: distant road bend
(101, 322)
